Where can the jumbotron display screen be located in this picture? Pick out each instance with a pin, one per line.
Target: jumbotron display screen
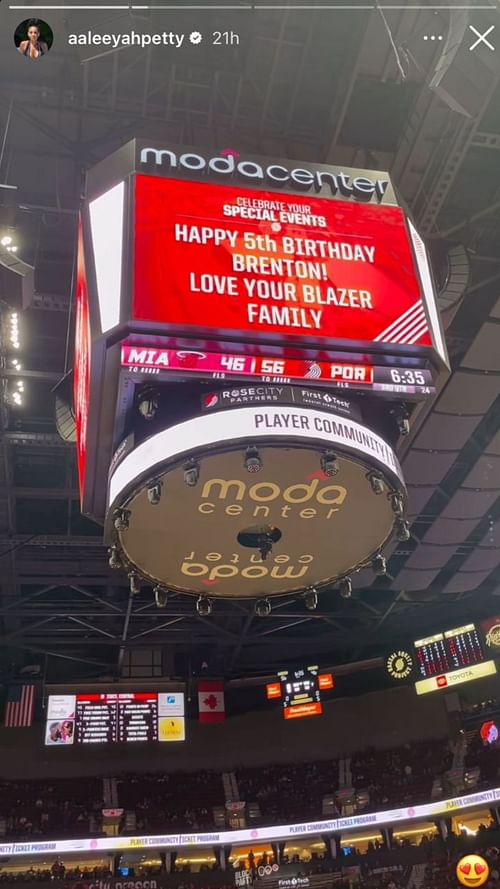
(450, 658)
(300, 691)
(225, 260)
(448, 651)
(129, 717)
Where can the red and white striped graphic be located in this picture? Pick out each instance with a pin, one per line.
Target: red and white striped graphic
(408, 328)
(20, 705)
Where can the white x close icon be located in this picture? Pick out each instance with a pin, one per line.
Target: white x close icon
(481, 37)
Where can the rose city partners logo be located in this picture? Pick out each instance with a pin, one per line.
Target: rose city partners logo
(340, 184)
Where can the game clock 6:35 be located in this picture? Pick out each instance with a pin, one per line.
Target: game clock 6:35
(409, 377)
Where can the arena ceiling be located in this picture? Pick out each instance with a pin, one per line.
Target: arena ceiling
(348, 87)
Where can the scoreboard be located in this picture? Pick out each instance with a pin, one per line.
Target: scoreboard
(300, 691)
(448, 651)
(450, 658)
(107, 718)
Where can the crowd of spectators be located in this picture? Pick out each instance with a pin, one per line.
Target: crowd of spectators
(400, 776)
(377, 867)
(294, 792)
(59, 807)
(180, 801)
(58, 872)
(485, 757)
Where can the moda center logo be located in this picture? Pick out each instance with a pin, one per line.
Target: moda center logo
(229, 164)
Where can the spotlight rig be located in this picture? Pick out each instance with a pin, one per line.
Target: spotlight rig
(191, 473)
(376, 482)
(161, 597)
(154, 494)
(311, 600)
(253, 462)
(115, 562)
(204, 606)
(121, 519)
(345, 587)
(263, 608)
(329, 464)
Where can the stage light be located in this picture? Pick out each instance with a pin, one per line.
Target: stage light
(147, 403)
(154, 494)
(263, 608)
(379, 566)
(311, 600)
(115, 561)
(402, 530)
(6, 240)
(253, 463)
(121, 519)
(400, 415)
(204, 606)
(345, 587)
(135, 583)
(329, 464)
(14, 331)
(161, 597)
(376, 482)
(191, 473)
(397, 505)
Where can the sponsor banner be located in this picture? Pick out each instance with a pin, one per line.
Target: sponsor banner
(277, 394)
(303, 269)
(171, 703)
(299, 711)
(455, 677)
(252, 835)
(343, 183)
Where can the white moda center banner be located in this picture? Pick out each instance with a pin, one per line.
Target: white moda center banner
(252, 835)
(256, 423)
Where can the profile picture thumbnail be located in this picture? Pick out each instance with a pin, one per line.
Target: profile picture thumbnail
(33, 38)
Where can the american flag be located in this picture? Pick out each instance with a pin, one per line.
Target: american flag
(20, 706)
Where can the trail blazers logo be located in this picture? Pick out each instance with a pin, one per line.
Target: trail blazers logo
(399, 664)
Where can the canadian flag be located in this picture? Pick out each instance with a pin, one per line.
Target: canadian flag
(211, 700)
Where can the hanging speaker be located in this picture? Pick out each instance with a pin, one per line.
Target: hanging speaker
(463, 75)
(65, 417)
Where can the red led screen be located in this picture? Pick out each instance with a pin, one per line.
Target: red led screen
(81, 376)
(225, 259)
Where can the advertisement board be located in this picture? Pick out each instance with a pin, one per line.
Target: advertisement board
(219, 260)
